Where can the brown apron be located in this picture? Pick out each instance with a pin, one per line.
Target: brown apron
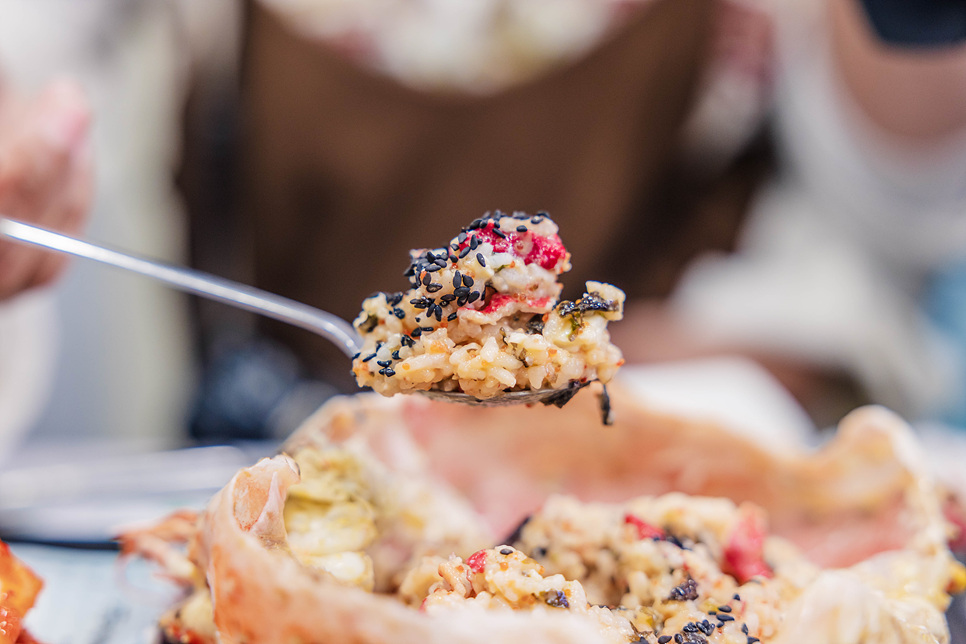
(344, 170)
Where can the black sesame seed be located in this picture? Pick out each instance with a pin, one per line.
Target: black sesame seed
(441, 261)
(453, 257)
(467, 280)
(465, 251)
(724, 609)
(418, 331)
(744, 628)
(460, 239)
(432, 268)
(474, 296)
(479, 258)
(474, 242)
(521, 229)
(395, 299)
(447, 298)
(356, 356)
(663, 639)
(461, 291)
(536, 220)
(506, 551)
(432, 288)
(706, 627)
(499, 233)
(427, 278)
(399, 313)
(438, 312)
(383, 363)
(420, 302)
(736, 597)
(406, 341)
(451, 316)
(389, 373)
(752, 640)
(725, 618)
(462, 301)
(690, 627)
(679, 638)
(457, 280)
(496, 222)
(455, 246)
(369, 357)
(395, 355)
(429, 329)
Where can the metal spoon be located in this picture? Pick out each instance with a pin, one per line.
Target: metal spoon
(329, 326)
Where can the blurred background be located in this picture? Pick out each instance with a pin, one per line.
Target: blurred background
(782, 181)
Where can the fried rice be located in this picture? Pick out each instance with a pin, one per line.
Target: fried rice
(483, 317)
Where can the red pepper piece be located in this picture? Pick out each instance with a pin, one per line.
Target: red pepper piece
(744, 552)
(546, 251)
(644, 529)
(477, 561)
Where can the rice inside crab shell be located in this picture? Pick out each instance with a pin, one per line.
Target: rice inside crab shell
(655, 530)
(483, 317)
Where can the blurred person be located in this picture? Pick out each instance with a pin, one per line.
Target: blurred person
(368, 128)
(45, 179)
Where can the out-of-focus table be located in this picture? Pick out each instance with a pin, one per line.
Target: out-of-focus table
(88, 598)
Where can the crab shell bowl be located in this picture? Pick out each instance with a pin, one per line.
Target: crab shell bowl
(850, 541)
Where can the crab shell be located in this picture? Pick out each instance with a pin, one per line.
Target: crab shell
(863, 506)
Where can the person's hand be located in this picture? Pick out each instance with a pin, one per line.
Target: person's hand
(45, 176)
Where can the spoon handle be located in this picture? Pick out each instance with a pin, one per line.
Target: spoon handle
(329, 326)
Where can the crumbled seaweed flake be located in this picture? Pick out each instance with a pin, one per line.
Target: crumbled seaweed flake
(686, 590)
(563, 396)
(535, 324)
(556, 599)
(589, 302)
(606, 414)
(517, 533)
(370, 323)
